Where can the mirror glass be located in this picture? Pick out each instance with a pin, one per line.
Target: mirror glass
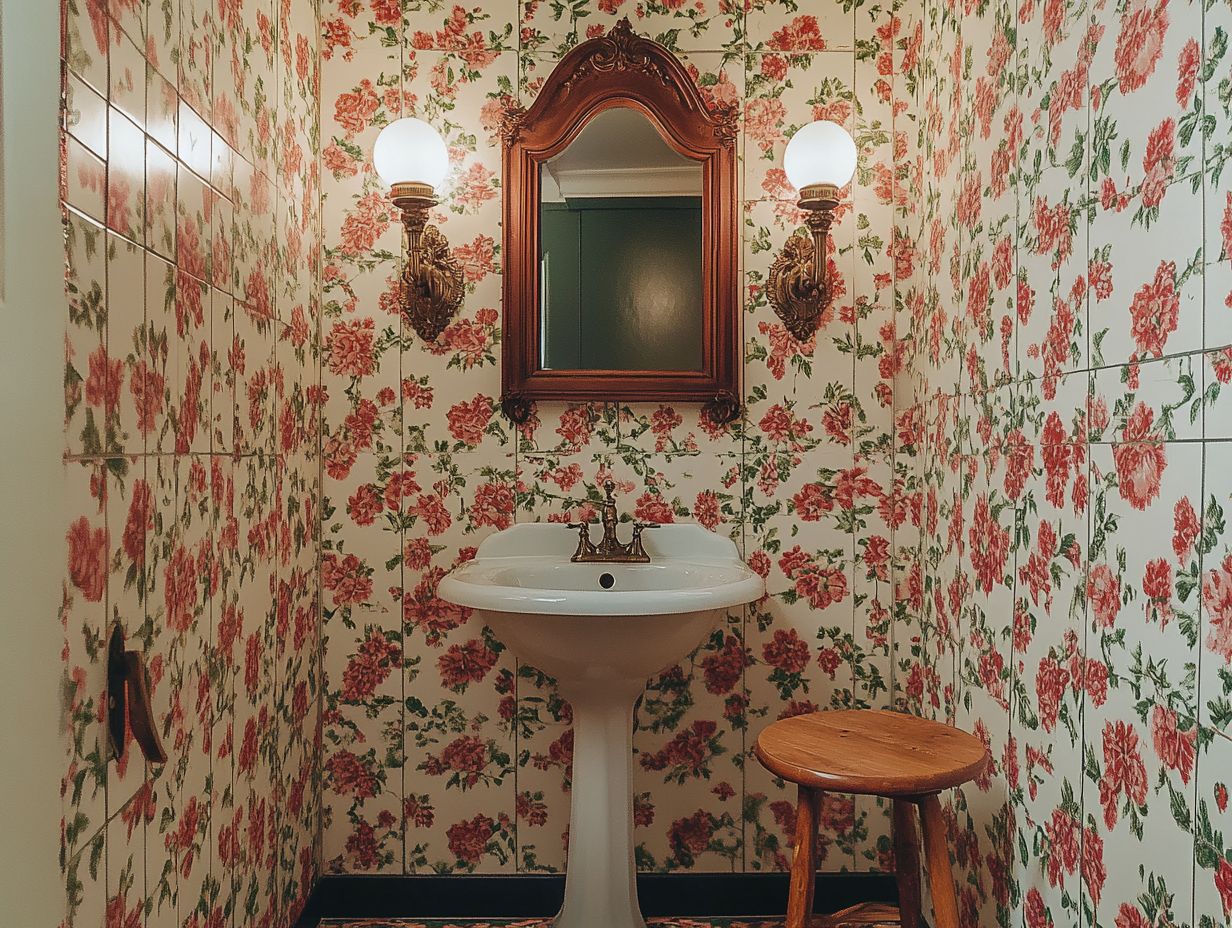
(620, 251)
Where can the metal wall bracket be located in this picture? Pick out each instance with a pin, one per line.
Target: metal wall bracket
(128, 701)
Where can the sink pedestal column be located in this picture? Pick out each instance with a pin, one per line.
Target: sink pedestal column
(600, 882)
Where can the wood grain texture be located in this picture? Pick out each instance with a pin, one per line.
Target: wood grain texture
(937, 854)
(620, 69)
(804, 858)
(907, 863)
(865, 915)
(881, 753)
(871, 752)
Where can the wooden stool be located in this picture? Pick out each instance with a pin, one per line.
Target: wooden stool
(874, 753)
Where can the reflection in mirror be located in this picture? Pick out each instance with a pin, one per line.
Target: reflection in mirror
(620, 251)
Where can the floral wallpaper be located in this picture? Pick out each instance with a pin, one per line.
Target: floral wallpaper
(442, 753)
(192, 397)
(952, 489)
(1067, 339)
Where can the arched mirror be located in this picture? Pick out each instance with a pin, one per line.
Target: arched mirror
(620, 235)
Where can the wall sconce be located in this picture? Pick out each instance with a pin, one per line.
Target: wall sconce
(410, 156)
(819, 160)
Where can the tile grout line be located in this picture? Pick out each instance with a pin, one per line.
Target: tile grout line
(1199, 767)
(517, 666)
(1090, 515)
(318, 739)
(742, 271)
(404, 672)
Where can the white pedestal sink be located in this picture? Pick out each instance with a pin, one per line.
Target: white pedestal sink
(601, 630)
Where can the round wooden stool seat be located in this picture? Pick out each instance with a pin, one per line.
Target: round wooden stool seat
(875, 753)
(872, 752)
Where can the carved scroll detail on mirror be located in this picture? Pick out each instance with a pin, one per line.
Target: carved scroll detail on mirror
(620, 50)
(517, 408)
(723, 408)
(624, 50)
(727, 122)
(511, 122)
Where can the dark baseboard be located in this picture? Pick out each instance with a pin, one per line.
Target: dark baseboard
(539, 895)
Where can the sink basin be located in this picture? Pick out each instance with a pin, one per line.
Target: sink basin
(601, 630)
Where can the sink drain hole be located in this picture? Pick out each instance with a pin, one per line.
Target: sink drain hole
(607, 581)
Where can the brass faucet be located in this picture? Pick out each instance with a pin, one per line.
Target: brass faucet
(610, 550)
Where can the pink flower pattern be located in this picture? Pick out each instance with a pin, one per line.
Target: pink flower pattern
(979, 455)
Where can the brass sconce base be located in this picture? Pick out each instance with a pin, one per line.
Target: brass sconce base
(432, 282)
(412, 197)
(819, 197)
(797, 287)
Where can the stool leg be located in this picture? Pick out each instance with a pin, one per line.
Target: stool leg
(804, 858)
(907, 863)
(937, 854)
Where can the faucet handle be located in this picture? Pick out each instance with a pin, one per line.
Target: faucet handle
(636, 551)
(585, 547)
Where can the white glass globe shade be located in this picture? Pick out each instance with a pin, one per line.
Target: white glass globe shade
(822, 152)
(410, 151)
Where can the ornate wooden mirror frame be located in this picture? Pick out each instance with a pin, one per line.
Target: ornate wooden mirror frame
(621, 69)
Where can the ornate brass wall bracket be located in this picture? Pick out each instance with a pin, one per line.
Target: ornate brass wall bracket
(432, 287)
(797, 286)
(432, 282)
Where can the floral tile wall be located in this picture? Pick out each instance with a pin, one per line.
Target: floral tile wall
(1067, 336)
(192, 458)
(991, 490)
(442, 753)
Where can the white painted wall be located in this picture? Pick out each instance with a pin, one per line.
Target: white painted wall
(31, 520)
